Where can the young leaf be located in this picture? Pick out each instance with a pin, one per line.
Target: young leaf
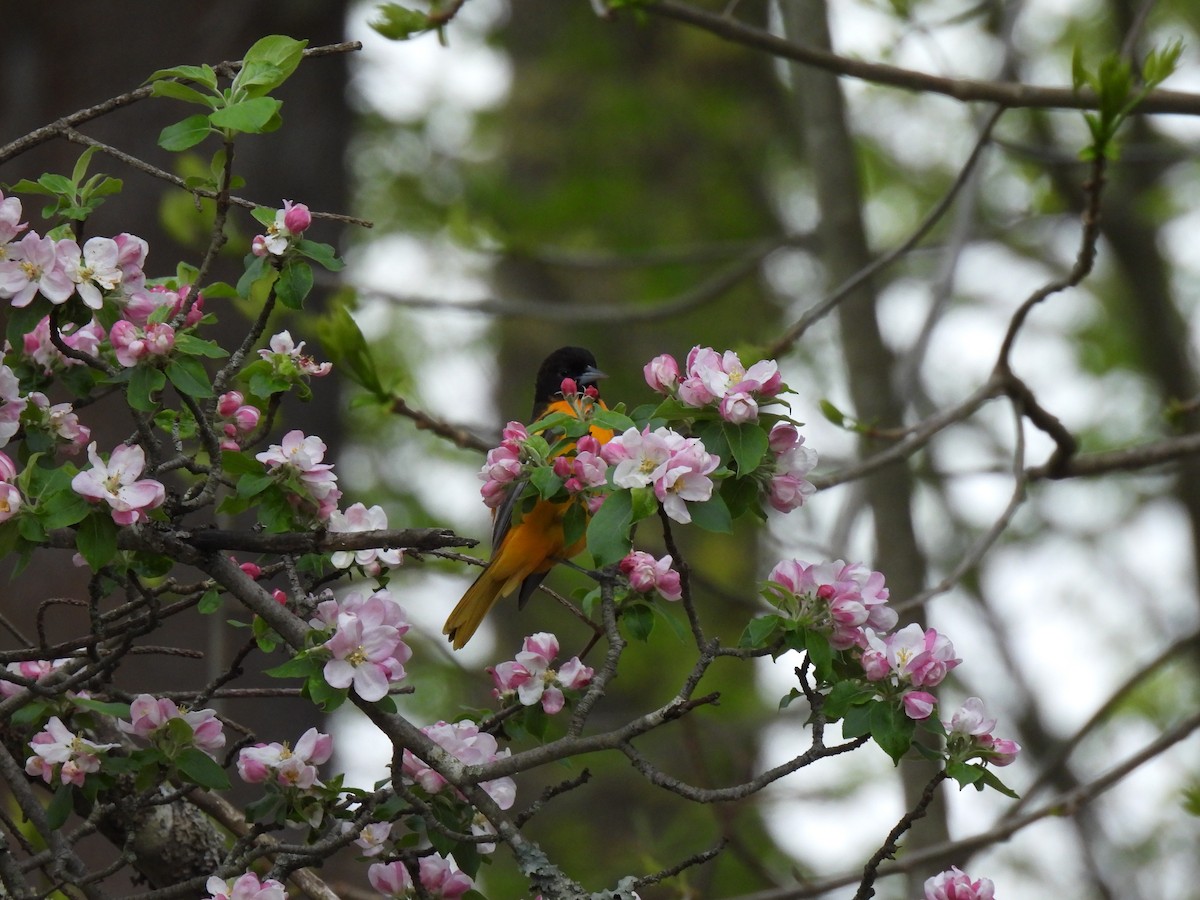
(267, 64)
(96, 539)
(188, 375)
(197, 766)
(747, 444)
(184, 134)
(712, 515)
(399, 23)
(608, 532)
(345, 345)
(250, 116)
(295, 281)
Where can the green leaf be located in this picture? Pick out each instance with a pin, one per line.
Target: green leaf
(298, 667)
(190, 345)
(990, 780)
(575, 521)
(322, 254)
(760, 632)
(712, 515)
(143, 384)
(248, 116)
(184, 134)
(891, 729)
(644, 503)
(608, 532)
(833, 414)
(96, 539)
(547, 483)
(188, 375)
(295, 281)
(23, 321)
(209, 603)
(177, 91)
(200, 768)
(203, 75)
(820, 653)
(81, 164)
(747, 444)
(844, 696)
(399, 23)
(639, 620)
(741, 495)
(60, 807)
(607, 418)
(345, 345)
(116, 710)
(267, 64)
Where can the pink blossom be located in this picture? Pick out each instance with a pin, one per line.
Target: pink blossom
(10, 221)
(366, 646)
(131, 257)
(662, 374)
(390, 879)
(60, 420)
(969, 736)
(118, 483)
(244, 887)
(466, 743)
(36, 264)
(359, 518)
(296, 217)
(738, 407)
(955, 884)
(676, 466)
(441, 878)
(240, 418)
(132, 344)
(140, 305)
(918, 704)
(586, 469)
(837, 598)
(503, 465)
(12, 404)
(58, 746)
(290, 767)
(148, 714)
(301, 456)
(645, 574)
(721, 378)
(10, 501)
(373, 838)
(288, 357)
(922, 658)
(94, 270)
(39, 347)
(532, 679)
(788, 487)
(8, 469)
(30, 670)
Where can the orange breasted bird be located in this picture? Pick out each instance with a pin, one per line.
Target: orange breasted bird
(525, 547)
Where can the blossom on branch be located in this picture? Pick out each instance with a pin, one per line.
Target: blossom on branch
(289, 767)
(36, 265)
(367, 647)
(12, 404)
(955, 884)
(837, 598)
(299, 457)
(969, 736)
(39, 347)
(646, 574)
(677, 467)
(118, 482)
(244, 887)
(148, 714)
(287, 357)
(359, 518)
(290, 222)
(58, 748)
(466, 743)
(530, 677)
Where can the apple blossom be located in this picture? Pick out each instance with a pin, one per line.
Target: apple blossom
(289, 767)
(968, 736)
(373, 837)
(646, 574)
(532, 679)
(288, 357)
(390, 879)
(58, 746)
(12, 404)
(836, 598)
(677, 467)
(441, 878)
(955, 884)
(503, 465)
(94, 270)
(38, 346)
(788, 487)
(244, 887)
(10, 221)
(466, 743)
(301, 456)
(132, 344)
(60, 420)
(359, 518)
(662, 374)
(148, 714)
(118, 483)
(35, 265)
(29, 670)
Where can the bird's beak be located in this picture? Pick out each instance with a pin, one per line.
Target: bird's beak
(590, 375)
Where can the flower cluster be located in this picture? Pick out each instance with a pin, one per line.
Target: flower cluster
(244, 887)
(149, 715)
(290, 223)
(12, 404)
(503, 465)
(910, 658)
(140, 306)
(466, 743)
(367, 647)
(841, 600)
(56, 750)
(716, 378)
(677, 467)
(438, 876)
(58, 420)
(531, 679)
(585, 469)
(955, 884)
(969, 736)
(119, 483)
(60, 269)
(134, 344)
(787, 487)
(240, 418)
(646, 574)
(39, 348)
(287, 766)
(288, 360)
(359, 518)
(296, 461)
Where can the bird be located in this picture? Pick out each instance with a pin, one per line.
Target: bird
(524, 552)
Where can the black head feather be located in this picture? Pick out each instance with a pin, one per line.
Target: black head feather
(565, 362)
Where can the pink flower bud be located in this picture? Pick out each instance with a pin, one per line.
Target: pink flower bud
(296, 217)
(228, 403)
(568, 387)
(662, 373)
(918, 704)
(258, 246)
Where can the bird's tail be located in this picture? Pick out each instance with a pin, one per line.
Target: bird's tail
(480, 597)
